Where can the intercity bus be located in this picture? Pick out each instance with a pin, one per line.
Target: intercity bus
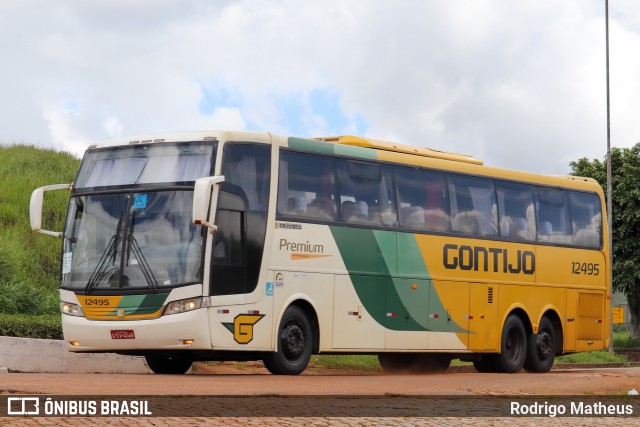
(200, 246)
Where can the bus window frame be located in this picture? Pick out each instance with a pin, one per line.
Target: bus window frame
(447, 173)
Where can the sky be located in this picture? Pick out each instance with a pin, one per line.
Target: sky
(518, 84)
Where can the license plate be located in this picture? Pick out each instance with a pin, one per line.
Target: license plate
(123, 334)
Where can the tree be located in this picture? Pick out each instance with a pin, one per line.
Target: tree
(625, 170)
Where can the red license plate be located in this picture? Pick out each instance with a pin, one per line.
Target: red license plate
(123, 334)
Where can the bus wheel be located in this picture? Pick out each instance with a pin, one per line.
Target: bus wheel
(487, 363)
(513, 348)
(395, 363)
(295, 342)
(542, 348)
(168, 364)
(431, 363)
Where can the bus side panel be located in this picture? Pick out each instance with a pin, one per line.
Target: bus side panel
(588, 311)
(570, 322)
(485, 333)
(353, 325)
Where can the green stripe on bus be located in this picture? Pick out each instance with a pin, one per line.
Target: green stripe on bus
(350, 150)
(331, 148)
(311, 145)
(371, 278)
(141, 304)
(397, 303)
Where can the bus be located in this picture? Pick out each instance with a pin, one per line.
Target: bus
(238, 246)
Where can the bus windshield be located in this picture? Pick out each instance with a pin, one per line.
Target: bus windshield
(129, 221)
(145, 165)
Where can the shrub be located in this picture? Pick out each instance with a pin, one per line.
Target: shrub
(24, 326)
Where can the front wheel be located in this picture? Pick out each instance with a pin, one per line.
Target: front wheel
(542, 348)
(295, 342)
(168, 365)
(513, 346)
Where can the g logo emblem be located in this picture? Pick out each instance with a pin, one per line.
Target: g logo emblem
(242, 327)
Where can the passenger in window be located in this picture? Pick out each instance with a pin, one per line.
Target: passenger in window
(360, 213)
(322, 208)
(388, 217)
(347, 209)
(413, 217)
(467, 222)
(298, 206)
(436, 220)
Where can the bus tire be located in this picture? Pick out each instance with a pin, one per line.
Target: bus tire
(395, 363)
(431, 363)
(168, 365)
(513, 345)
(294, 344)
(542, 348)
(486, 363)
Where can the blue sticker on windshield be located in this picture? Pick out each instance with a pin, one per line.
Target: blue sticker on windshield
(140, 201)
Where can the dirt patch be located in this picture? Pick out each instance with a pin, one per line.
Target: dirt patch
(257, 368)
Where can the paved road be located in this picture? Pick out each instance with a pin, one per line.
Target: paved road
(474, 387)
(567, 382)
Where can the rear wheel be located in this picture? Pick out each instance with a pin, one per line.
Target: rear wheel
(395, 363)
(430, 363)
(542, 348)
(486, 363)
(168, 365)
(295, 341)
(513, 346)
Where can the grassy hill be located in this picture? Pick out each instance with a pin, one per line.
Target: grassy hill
(30, 262)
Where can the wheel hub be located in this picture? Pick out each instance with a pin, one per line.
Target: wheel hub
(545, 344)
(294, 341)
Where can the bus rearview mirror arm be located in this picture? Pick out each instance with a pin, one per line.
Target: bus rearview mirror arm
(205, 193)
(35, 207)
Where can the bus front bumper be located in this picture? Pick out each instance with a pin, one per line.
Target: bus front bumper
(184, 331)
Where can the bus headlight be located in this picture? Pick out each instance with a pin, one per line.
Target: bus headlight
(71, 309)
(183, 306)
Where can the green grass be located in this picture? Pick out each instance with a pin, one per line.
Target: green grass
(622, 339)
(30, 262)
(591, 357)
(370, 363)
(355, 362)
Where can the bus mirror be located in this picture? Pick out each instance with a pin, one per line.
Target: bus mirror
(202, 196)
(35, 207)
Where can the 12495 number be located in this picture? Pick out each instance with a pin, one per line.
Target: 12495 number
(585, 268)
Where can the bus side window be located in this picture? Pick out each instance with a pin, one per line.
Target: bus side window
(473, 206)
(306, 186)
(586, 219)
(423, 200)
(366, 193)
(515, 206)
(552, 208)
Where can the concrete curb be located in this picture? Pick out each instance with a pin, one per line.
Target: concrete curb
(51, 356)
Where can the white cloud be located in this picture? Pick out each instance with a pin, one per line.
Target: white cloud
(518, 84)
(227, 118)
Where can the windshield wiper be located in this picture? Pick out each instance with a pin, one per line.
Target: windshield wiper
(140, 258)
(108, 257)
(142, 261)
